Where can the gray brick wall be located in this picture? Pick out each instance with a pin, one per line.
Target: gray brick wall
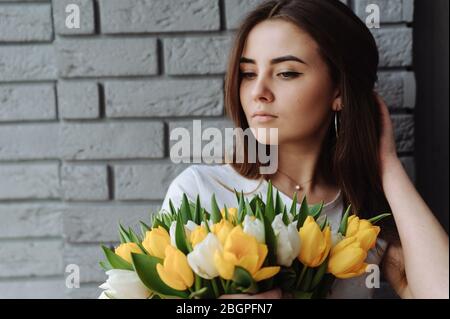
(85, 115)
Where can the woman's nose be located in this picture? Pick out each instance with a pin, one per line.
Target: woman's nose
(261, 91)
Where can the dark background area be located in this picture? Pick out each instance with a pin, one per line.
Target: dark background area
(431, 59)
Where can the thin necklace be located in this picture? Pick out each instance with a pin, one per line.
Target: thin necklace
(298, 186)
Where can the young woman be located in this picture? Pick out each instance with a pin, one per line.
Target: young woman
(308, 68)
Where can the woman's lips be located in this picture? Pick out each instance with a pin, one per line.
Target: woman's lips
(264, 118)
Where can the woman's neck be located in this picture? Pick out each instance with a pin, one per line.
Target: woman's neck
(300, 165)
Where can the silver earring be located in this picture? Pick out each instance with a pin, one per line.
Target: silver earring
(336, 123)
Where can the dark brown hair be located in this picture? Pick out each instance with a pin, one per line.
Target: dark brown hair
(350, 52)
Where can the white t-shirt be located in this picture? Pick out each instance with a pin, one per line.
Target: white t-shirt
(208, 179)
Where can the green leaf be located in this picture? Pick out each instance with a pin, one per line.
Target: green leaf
(279, 205)
(271, 241)
(198, 293)
(304, 212)
(285, 217)
(172, 208)
(124, 234)
(320, 272)
(236, 193)
(197, 212)
(306, 282)
(270, 209)
(167, 220)
(315, 210)
(293, 209)
(376, 219)
(248, 209)
(216, 216)
(185, 210)
(105, 265)
(241, 208)
(205, 220)
(323, 223)
(115, 260)
(225, 209)
(180, 237)
(145, 267)
(243, 281)
(286, 277)
(144, 228)
(344, 221)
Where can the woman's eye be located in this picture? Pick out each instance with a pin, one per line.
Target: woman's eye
(248, 75)
(289, 75)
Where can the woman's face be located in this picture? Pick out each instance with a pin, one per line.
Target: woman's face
(286, 82)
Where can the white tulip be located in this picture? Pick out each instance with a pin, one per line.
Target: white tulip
(288, 240)
(123, 284)
(201, 259)
(255, 228)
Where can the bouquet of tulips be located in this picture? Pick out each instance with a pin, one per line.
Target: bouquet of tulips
(189, 252)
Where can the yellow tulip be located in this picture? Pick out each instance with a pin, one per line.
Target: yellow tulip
(347, 259)
(175, 272)
(125, 250)
(232, 214)
(155, 242)
(315, 244)
(221, 230)
(363, 230)
(241, 249)
(197, 235)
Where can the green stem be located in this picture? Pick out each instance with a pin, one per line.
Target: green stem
(215, 288)
(198, 282)
(224, 286)
(300, 278)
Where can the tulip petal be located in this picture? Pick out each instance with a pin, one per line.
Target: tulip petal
(266, 272)
(225, 268)
(169, 279)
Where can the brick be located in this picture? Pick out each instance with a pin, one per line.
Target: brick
(31, 258)
(30, 220)
(398, 89)
(32, 288)
(87, 23)
(390, 10)
(404, 132)
(32, 22)
(27, 62)
(82, 182)
(144, 181)
(78, 100)
(99, 223)
(112, 140)
(20, 181)
(394, 46)
(235, 11)
(27, 102)
(136, 16)
(199, 55)
(106, 57)
(30, 141)
(159, 98)
(87, 257)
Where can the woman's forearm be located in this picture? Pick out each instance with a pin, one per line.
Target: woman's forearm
(424, 241)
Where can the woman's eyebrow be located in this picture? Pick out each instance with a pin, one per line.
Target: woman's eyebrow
(275, 60)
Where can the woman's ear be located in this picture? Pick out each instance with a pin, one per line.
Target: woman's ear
(337, 101)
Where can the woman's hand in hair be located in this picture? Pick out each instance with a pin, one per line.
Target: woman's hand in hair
(388, 150)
